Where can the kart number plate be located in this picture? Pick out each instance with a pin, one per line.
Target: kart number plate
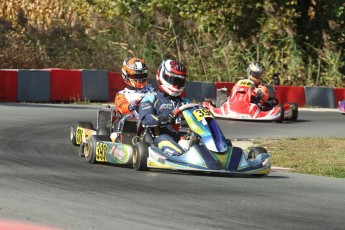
(79, 135)
(202, 113)
(100, 152)
(246, 83)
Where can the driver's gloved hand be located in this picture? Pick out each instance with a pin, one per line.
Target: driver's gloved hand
(259, 93)
(164, 120)
(134, 105)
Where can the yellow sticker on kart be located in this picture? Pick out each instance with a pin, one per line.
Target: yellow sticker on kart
(100, 152)
(79, 135)
(202, 114)
(245, 83)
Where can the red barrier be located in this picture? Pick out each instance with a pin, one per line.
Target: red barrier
(65, 85)
(227, 85)
(8, 85)
(339, 95)
(116, 84)
(294, 94)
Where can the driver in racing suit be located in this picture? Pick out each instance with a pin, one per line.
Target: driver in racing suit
(157, 110)
(260, 94)
(134, 74)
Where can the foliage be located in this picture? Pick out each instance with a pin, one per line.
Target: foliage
(216, 39)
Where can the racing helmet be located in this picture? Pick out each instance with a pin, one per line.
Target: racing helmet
(134, 72)
(255, 72)
(171, 77)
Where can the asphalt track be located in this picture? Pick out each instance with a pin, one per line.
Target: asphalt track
(43, 181)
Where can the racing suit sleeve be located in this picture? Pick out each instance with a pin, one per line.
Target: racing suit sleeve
(147, 112)
(265, 93)
(122, 104)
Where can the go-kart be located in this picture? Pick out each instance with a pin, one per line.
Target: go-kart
(341, 107)
(207, 149)
(239, 105)
(112, 139)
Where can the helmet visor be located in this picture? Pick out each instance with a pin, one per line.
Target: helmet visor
(255, 74)
(178, 81)
(138, 77)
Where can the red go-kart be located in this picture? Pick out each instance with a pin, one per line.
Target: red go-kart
(238, 105)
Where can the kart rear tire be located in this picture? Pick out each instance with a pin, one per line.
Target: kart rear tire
(140, 155)
(85, 124)
(90, 147)
(294, 110)
(81, 150)
(73, 135)
(81, 124)
(256, 151)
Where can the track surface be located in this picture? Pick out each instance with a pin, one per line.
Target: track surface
(43, 181)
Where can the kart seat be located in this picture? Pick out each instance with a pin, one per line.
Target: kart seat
(104, 118)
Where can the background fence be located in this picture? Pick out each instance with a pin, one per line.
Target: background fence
(57, 85)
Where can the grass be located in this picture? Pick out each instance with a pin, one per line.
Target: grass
(316, 156)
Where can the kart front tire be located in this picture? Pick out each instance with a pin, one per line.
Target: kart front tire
(140, 155)
(282, 111)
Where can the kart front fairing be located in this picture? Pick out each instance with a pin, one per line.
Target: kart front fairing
(212, 153)
(201, 121)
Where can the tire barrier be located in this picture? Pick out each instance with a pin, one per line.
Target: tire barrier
(45, 85)
(290, 94)
(115, 84)
(319, 97)
(95, 85)
(8, 85)
(198, 91)
(33, 85)
(65, 85)
(339, 95)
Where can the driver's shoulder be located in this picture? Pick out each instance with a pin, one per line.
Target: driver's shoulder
(148, 98)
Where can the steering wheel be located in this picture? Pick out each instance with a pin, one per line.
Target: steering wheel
(184, 107)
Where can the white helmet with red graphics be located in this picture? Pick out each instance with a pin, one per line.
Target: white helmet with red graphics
(171, 77)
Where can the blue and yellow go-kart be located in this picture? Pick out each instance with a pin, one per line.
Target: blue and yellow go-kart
(208, 150)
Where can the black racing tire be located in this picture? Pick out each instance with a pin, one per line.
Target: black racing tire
(282, 111)
(81, 150)
(90, 147)
(73, 135)
(85, 124)
(256, 151)
(103, 131)
(294, 110)
(140, 155)
(81, 124)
